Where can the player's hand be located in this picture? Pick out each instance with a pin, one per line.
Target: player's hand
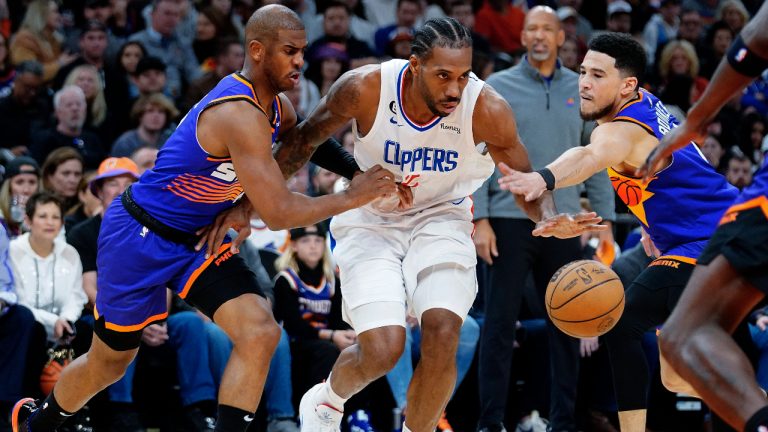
(762, 322)
(375, 183)
(587, 346)
(530, 185)
(405, 194)
(155, 334)
(485, 241)
(237, 218)
(565, 226)
(675, 139)
(650, 249)
(344, 338)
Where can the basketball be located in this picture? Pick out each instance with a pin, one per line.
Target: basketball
(629, 192)
(584, 298)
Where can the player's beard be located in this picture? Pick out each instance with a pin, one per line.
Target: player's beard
(597, 114)
(430, 101)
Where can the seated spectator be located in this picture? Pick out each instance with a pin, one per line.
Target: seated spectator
(680, 83)
(407, 14)
(62, 172)
(733, 13)
(144, 158)
(212, 27)
(229, 59)
(70, 108)
(304, 96)
(17, 325)
(327, 64)
(154, 114)
(716, 43)
(501, 23)
(336, 18)
(714, 151)
(46, 271)
(88, 205)
(6, 67)
(89, 80)
(756, 95)
(739, 171)
(661, 28)
(22, 180)
(127, 59)
(150, 76)
(308, 303)
(25, 109)
(39, 38)
(569, 54)
(752, 129)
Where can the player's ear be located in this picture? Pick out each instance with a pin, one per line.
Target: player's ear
(413, 65)
(256, 50)
(630, 86)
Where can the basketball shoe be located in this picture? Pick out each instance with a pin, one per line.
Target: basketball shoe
(314, 417)
(22, 411)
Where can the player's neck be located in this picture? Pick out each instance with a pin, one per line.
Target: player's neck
(616, 108)
(265, 93)
(413, 102)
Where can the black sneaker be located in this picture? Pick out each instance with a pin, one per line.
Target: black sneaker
(126, 420)
(197, 421)
(22, 411)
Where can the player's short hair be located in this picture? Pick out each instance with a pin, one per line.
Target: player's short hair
(629, 54)
(440, 32)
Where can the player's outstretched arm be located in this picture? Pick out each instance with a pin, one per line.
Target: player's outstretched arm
(611, 144)
(750, 54)
(232, 125)
(346, 98)
(493, 122)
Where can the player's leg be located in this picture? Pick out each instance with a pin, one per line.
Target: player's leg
(105, 362)
(648, 301)
(443, 295)
(225, 289)
(697, 342)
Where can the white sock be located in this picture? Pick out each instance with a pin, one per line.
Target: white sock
(325, 395)
(405, 428)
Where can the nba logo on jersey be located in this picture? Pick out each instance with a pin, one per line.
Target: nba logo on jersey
(226, 172)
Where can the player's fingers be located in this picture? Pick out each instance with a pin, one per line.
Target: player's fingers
(505, 169)
(203, 233)
(215, 240)
(532, 196)
(494, 249)
(242, 235)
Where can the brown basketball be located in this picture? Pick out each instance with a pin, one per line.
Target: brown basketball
(585, 298)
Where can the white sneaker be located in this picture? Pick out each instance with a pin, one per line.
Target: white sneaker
(318, 418)
(534, 423)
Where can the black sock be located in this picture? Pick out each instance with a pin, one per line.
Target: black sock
(232, 419)
(49, 416)
(760, 418)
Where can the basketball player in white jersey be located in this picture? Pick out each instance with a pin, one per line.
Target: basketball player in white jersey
(423, 120)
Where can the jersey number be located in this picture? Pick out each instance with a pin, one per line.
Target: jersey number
(226, 172)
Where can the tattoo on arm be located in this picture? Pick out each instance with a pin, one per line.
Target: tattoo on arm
(333, 112)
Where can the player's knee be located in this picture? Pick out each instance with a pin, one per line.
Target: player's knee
(440, 337)
(257, 336)
(110, 368)
(382, 351)
(671, 346)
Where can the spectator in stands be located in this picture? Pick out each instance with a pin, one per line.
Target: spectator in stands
(327, 64)
(24, 109)
(482, 55)
(619, 17)
(62, 171)
(569, 54)
(47, 272)
(127, 59)
(583, 28)
(691, 28)
(322, 181)
(680, 83)
(733, 13)
(212, 27)
(22, 180)
(717, 41)
(6, 67)
(93, 47)
(407, 14)
(308, 302)
(16, 335)
(144, 158)
(70, 106)
(336, 30)
(399, 46)
(501, 23)
(752, 130)
(714, 151)
(226, 9)
(154, 114)
(739, 171)
(229, 59)
(661, 28)
(97, 116)
(88, 204)
(150, 76)
(39, 38)
(161, 40)
(304, 96)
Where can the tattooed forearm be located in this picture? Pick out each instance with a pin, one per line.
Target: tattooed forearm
(291, 157)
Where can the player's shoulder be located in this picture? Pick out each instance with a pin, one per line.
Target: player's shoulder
(490, 101)
(363, 78)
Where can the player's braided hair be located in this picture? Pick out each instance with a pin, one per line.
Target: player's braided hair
(439, 32)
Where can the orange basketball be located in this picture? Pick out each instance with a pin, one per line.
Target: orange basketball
(584, 298)
(629, 191)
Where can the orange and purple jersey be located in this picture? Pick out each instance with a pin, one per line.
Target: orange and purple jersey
(188, 187)
(681, 205)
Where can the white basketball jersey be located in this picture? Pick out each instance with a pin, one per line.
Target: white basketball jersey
(438, 160)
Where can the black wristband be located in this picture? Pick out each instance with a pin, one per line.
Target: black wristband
(744, 60)
(549, 178)
(332, 156)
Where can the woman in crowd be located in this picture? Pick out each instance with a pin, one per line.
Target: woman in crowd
(22, 180)
(680, 83)
(62, 172)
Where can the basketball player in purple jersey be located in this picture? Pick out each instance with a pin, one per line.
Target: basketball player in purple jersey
(732, 275)
(221, 151)
(678, 207)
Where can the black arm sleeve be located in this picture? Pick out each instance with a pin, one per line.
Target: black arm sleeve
(332, 156)
(287, 311)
